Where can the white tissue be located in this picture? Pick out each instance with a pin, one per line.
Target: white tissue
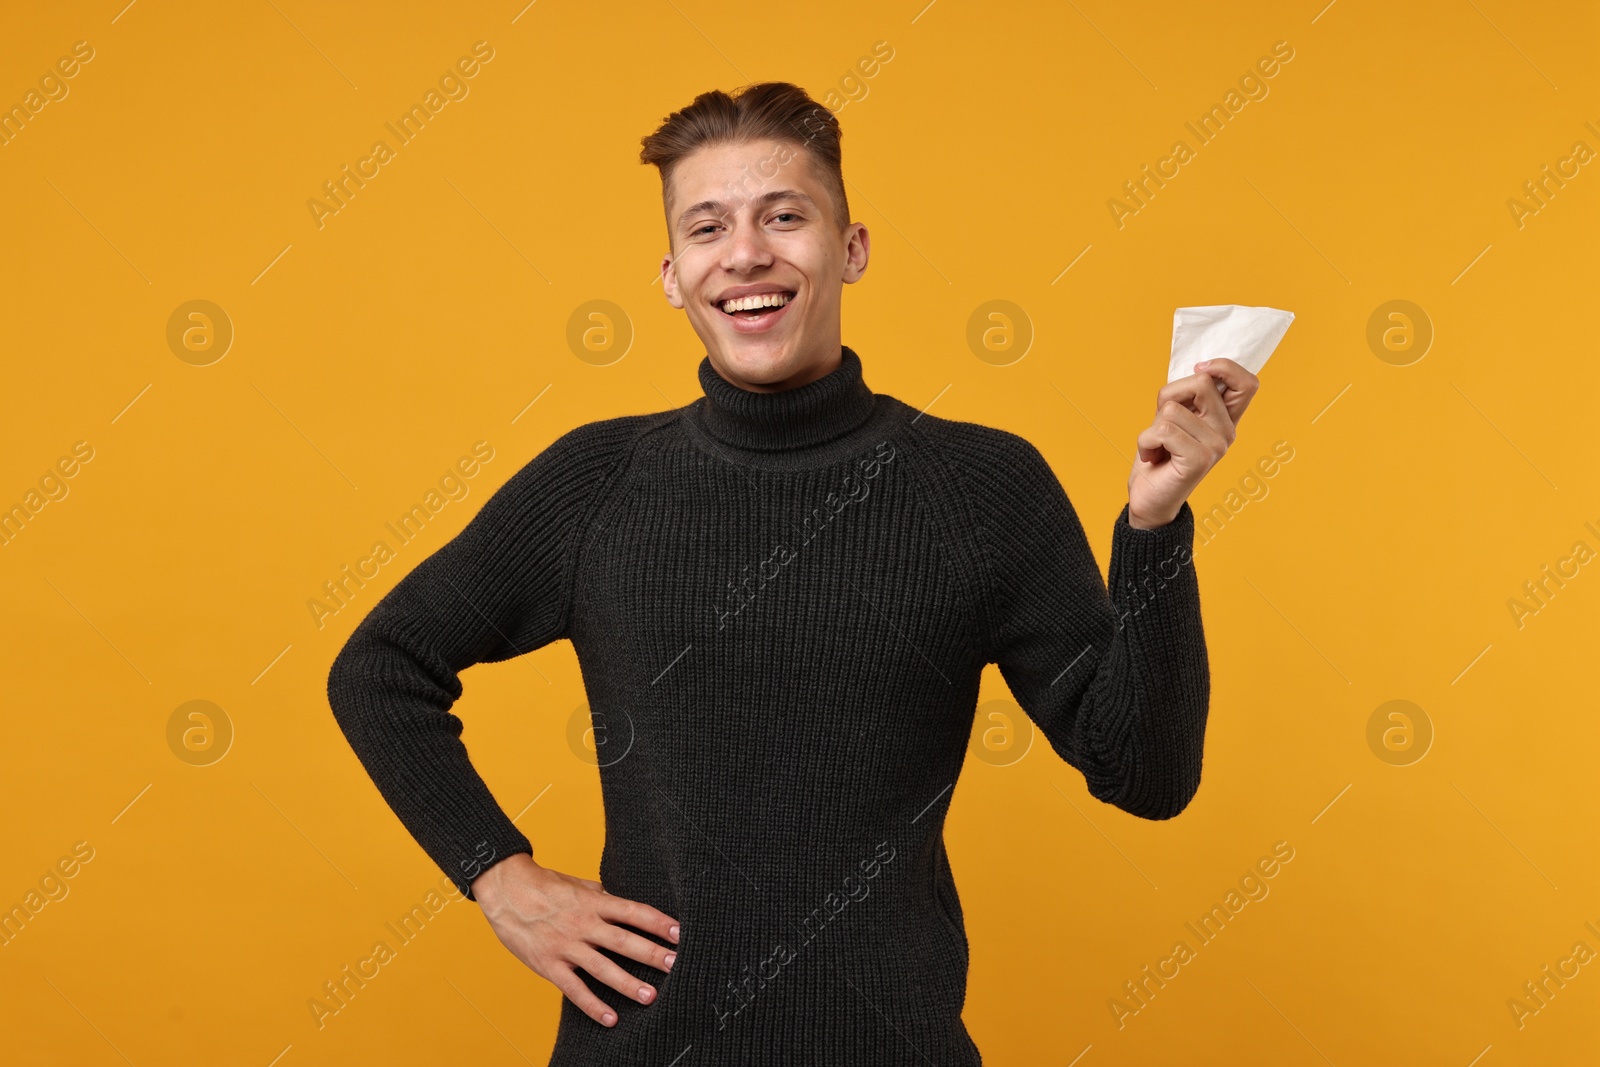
(1246, 335)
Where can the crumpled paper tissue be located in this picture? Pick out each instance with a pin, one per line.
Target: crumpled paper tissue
(1246, 335)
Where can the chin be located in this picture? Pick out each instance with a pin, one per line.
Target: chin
(764, 361)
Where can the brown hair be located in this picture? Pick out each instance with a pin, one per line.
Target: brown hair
(777, 111)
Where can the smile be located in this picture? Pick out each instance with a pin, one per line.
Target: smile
(758, 313)
(758, 302)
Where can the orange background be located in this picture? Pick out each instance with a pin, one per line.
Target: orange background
(433, 309)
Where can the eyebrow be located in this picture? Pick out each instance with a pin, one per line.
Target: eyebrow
(718, 206)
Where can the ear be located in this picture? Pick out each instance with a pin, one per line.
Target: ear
(669, 281)
(858, 245)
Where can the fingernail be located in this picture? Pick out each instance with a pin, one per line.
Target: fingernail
(672, 957)
(674, 933)
(1201, 364)
(608, 1018)
(644, 992)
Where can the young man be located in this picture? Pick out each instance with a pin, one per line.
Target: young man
(782, 597)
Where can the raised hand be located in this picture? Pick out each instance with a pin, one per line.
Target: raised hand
(1195, 422)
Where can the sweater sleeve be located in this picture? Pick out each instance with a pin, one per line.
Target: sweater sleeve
(1117, 680)
(498, 589)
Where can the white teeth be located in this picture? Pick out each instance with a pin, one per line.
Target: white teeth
(760, 300)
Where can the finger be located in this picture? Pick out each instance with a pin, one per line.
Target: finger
(577, 990)
(627, 943)
(1212, 426)
(1210, 421)
(614, 976)
(1204, 427)
(1198, 392)
(1191, 391)
(1152, 441)
(1149, 442)
(1177, 438)
(1239, 385)
(639, 916)
(1202, 392)
(1228, 372)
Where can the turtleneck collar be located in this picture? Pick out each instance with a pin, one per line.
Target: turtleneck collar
(790, 419)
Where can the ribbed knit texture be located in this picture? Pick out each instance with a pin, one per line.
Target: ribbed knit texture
(781, 605)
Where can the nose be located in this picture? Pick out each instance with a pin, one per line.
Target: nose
(746, 248)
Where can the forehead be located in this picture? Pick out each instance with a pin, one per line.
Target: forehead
(727, 172)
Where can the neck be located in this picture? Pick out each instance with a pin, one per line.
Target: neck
(821, 409)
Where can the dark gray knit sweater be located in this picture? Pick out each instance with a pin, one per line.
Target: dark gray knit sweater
(781, 604)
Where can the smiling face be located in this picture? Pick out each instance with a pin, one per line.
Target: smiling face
(753, 225)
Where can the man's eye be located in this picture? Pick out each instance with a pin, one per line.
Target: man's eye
(703, 229)
(786, 214)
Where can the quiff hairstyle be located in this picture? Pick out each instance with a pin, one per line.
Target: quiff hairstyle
(766, 111)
